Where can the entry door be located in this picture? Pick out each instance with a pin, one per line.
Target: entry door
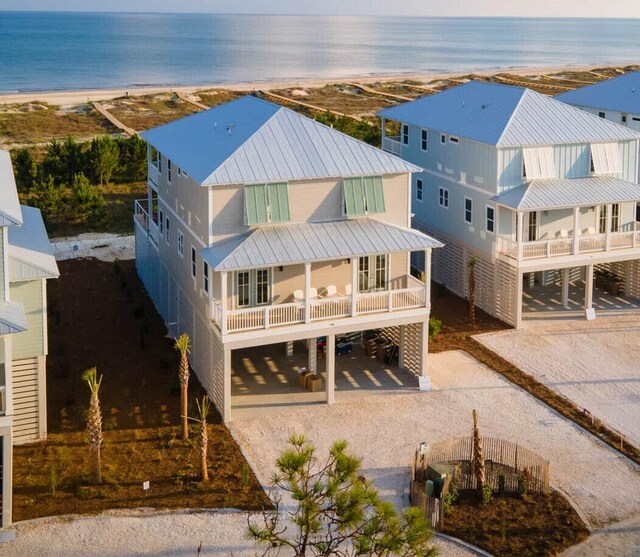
(372, 273)
(532, 228)
(252, 288)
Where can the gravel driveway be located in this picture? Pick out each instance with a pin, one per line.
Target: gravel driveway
(596, 364)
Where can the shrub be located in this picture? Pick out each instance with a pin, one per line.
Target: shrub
(435, 326)
(487, 494)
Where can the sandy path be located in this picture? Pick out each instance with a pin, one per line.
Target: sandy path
(595, 364)
(618, 540)
(385, 431)
(106, 247)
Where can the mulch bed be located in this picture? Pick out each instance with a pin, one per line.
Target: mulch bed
(100, 315)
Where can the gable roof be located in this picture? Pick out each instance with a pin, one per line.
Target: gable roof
(621, 94)
(250, 140)
(556, 193)
(291, 244)
(506, 116)
(9, 205)
(30, 253)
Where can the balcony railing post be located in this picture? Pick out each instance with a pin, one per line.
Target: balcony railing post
(390, 299)
(354, 286)
(223, 302)
(266, 317)
(520, 234)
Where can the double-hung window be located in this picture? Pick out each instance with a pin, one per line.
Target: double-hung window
(468, 210)
(443, 197)
(205, 276)
(160, 222)
(167, 227)
(419, 189)
(266, 203)
(424, 139)
(491, 218)
(180, 243)
(615, 218)
(405, 134)
(168, 171)
(373, 271)
(193, 262)
(253, 288)
(362, 196)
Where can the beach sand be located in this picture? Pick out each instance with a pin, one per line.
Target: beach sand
(71, 98)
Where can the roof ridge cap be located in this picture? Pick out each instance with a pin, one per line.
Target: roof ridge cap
(513, 114)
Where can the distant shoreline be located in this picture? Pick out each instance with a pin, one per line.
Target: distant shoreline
(81, 96)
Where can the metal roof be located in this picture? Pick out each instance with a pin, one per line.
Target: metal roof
(506, 116)
(250, 140)
(621, 94)
(9, 205)
(313, 241)
(30, 253)
(557, 193)
(12, 318)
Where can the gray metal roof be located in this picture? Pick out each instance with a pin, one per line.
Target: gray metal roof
(506, 116)
(250, 140)
(9, 205)
(12, 318)
(621, 94)
(30, 253)
(313, 241)
(556, 193)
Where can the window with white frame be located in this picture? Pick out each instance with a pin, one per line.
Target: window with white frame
(538, 162)
(605, 158)
(405, 134)
(180, 243)
(193, 262)
(205, 276)
(253, 288)
(443, 197)
(167, 231)
(179, 171)
(373, 272)
(491, 219)
(443, 138)
(424, 139)
(168, 171)
(266, 203)
(453, 140)
(160, 222)
(468, 210)
(419, 191)
(602, 114)
(362, 196)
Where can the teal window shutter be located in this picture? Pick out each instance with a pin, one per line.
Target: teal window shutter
(279, 202)
(358, 195)
(349, 199)
(255, 204)
(375, 194)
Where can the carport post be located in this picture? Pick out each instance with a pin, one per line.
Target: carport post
(565, 287)
(588, 287)
(226, 375)
(331, 367)
(354, 286)
(576, 230)
(424, 348)
(401, 345)
(312, 355)
(427, 277)
(519, 278)
(223, 301)
(307, 292)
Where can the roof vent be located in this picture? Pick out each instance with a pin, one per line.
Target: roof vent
(215, 125)
(483, 105)
(230, 129)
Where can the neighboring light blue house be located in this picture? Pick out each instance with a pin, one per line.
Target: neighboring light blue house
(26, 262)
(616, 99)
(541, 193)
(263, 227)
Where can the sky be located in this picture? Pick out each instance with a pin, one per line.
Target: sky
(521, 8)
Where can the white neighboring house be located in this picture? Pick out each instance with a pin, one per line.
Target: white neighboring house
(541, 193)
(26, 262)
(262, 226)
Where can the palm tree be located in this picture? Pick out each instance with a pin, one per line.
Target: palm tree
(478, 457)
(472, 289)
(94, 421)
(182, 346)
(203, 439)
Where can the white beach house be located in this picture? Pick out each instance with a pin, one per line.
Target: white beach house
(541, 193)
(26, 262)
(264, 227)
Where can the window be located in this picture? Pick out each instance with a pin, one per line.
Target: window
(623, 118)
(362, 196)
(601, 114)
(266, 203)
(443, 138)
(205, 276)
(168, 171)
(193, 262)
(418, 189)
(602, 219)
(405, 134)
(635, 119)
(160, 222)
(443, 197)
(532, 228)
(424, 140)
(491, 214)
(468, 210)
(166, 230)
(180, 244)
(605, 158)
(453, 140)
(538, 162)
(372, 273)
(179, 172)
(615, 217)
(253, 288)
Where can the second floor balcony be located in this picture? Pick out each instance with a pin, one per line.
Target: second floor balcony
(148, 220)
(391, 144)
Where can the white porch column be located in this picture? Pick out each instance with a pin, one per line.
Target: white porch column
(312, 355)
(427, 278)
(401, 346)
(519, 279)
(608, 228)
(354, 286)
(330, 355)
(576, 230)
(565, 288)
(588, 287)
(307, 292)
(226, 369)
(289, 348)
(520, 234)
(223, 301)
(424, 348)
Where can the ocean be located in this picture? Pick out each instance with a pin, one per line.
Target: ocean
(68, 51)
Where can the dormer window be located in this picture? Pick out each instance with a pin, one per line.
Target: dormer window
(266, 204)
(362, 196)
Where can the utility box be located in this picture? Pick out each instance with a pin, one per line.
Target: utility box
(441, 474)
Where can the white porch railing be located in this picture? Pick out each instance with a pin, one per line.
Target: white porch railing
(588, 243)
(392, 145)
(264, 317)
(141, 214)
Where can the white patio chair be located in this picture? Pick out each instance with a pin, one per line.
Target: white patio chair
(332, 290)
(564, 233)
(591, 230)
(347, 290)
(298, 295)
(313, 293)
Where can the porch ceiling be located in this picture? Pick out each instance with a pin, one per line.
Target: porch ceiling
(561, 193)
(292, 244)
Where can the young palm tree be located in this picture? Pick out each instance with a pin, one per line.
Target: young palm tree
(472, 289)
(203, 438)
(478, 457)
(94, 421)
(182, 346)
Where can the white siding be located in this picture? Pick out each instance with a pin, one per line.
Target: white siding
(29, 410)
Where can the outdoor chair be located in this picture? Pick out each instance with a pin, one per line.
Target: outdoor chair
(332, 290)
(298, 295)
